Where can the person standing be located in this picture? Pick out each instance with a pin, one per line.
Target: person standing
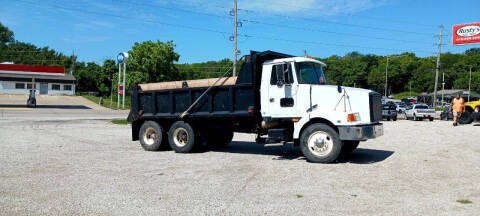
(458, 107)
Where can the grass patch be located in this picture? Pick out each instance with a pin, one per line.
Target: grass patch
(464, 201)
(299, 195)
(406, 94)
(120, 121)
(111, 104)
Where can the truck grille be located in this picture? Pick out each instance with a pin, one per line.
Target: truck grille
(375, 106)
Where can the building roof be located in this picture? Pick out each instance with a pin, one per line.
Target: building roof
(26, 77)
(32, 70)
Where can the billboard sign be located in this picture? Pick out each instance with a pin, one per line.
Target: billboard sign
(466, 34)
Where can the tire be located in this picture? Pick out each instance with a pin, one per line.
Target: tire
(465, 118)
(415, 117)
(394, 118)
(152, 136)
(320, 134)
(388, 119)
(406, 117)
(348, 147)
(220, 138)
(182, 137)
(431, 118)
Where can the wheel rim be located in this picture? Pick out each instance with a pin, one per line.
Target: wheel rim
(180, 137)
(150, 136)
(320, 143)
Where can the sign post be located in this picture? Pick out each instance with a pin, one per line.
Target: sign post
(121, 58)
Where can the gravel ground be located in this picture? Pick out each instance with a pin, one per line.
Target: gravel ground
(90, 167)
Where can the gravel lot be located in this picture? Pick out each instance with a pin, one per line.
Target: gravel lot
(90, 167)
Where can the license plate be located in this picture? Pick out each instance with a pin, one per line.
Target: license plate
(378, 130)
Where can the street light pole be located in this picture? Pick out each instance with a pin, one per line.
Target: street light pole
(469, 83)
(118, 86)
(386, 78)
(443, 86)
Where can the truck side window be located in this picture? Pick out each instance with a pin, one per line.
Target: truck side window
(310, 73)
(286, 74)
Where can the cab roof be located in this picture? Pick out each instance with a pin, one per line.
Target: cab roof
(294, 59)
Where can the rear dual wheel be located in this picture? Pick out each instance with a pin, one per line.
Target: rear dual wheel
(183, 138)
(152, 136)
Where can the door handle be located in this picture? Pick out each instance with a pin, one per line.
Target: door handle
(272, 100)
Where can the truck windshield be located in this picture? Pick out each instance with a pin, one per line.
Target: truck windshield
(310, 73)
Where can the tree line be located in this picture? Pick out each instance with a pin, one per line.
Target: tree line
(157, 61)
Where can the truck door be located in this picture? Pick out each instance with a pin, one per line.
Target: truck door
(281, 91)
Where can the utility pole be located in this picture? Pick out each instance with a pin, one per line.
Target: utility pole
(73, 62)
(386, 78)
(410, 88)
(235, 42)
(437, 68)
(469, 82)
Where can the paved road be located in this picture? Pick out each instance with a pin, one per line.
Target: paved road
(12, 107)
(90, 167)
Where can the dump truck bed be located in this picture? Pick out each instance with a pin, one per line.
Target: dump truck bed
(221, 101)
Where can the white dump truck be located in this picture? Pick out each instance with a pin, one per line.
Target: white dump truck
(281, 98)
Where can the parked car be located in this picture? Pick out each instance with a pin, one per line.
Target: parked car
(419, 112)
(389, 111)
(446, 115)
(400, 108)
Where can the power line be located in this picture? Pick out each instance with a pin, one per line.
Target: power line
(176, 9)
(266, 23)
(345, 24)
(126, 17)
(328, 44)
(361, 16)
(329, 32)
(202, 29)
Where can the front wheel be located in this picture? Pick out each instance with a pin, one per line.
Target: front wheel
(431, 119)
(395, 118)
(320, 143)
(406, 117)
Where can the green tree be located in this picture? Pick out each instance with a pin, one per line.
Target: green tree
(154, 59)
(6, 36)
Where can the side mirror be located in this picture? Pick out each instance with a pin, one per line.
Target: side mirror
(281, 74)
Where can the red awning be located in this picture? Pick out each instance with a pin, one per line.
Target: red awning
(31, 69)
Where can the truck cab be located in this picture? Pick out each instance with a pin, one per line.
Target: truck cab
(296, 90)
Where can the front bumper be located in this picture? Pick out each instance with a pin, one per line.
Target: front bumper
(361, 132)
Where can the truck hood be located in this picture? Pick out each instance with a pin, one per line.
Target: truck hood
(332, 103)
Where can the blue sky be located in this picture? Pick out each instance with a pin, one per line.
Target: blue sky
(99, 29)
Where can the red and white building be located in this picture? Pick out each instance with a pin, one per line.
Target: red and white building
(19, 79)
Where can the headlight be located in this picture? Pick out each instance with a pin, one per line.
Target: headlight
(353, 117)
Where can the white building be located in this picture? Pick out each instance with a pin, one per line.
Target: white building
(19, 79)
